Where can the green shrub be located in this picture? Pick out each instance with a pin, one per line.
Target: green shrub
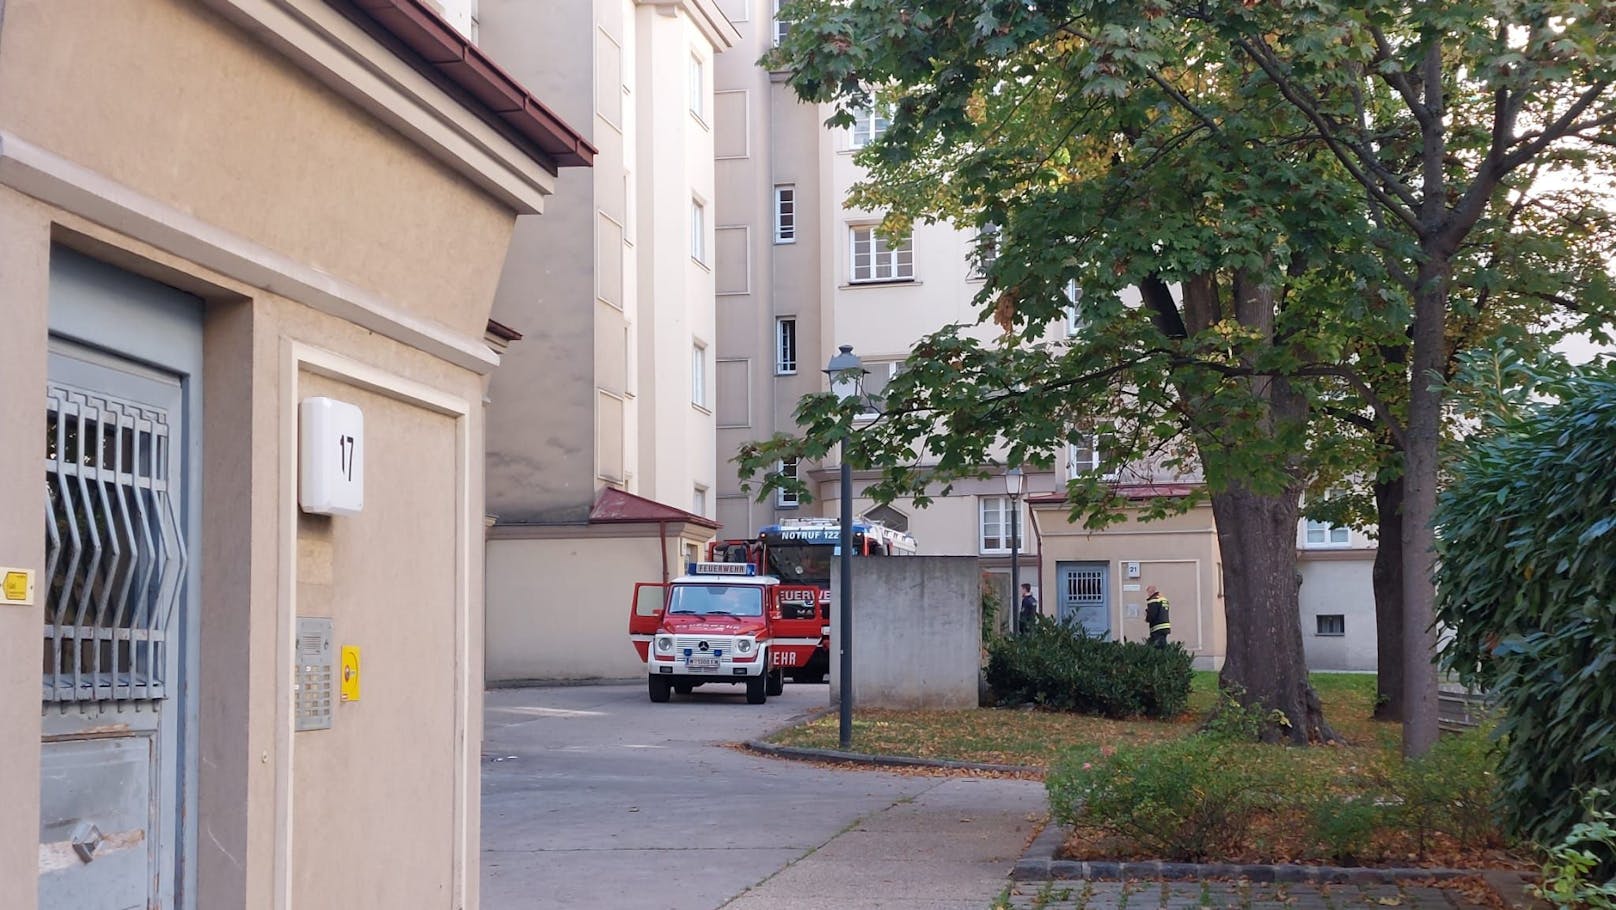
(1055, 664)
(1344, 828)
(1187, 800)
(1570, 877)
(1527, 585)
(1450, 790)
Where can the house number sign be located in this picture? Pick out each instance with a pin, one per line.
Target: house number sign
(331, 457)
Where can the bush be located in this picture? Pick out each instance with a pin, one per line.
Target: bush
(1189, 800)
(1570, 876)
(1449, 790)
(1056, 665)
(1527, 584)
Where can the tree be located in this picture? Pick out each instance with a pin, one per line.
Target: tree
(1426, 111)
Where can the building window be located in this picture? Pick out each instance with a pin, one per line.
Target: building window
(698, 231)
(785, 214)
(785, 346)
(698, 501)
(1074, 322)
(995, 524)
(876, 260)
(986, 251)
(698, 376)
(869, 123)
(1323, 534)
(786, 499)
(1331, 624)
(781, 27)
(1083, 455)
(879, 374)
(698, 87)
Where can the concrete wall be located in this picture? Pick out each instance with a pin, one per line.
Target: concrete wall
(1338, 583)
(917, 632)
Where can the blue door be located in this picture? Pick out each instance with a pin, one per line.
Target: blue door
(122, 406)
(1084, 596)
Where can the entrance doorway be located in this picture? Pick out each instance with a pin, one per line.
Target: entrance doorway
(1085, 596)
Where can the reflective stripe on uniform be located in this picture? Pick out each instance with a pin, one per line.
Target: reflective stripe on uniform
(1161, 627)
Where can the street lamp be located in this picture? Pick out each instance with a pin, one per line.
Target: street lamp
(1015, 483)
(846, 374)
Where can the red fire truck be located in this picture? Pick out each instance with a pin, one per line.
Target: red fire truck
(800, 552)
(723, 623)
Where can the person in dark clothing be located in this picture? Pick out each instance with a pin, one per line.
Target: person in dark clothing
(1156, 617)
(1029, 605)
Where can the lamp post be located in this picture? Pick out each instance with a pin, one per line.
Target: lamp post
(846, 374)
(1015, 484)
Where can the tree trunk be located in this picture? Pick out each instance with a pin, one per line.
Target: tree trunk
(1388, 579)
(1265, 665)
(1421, 438)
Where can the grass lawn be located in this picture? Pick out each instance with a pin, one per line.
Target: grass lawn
(1031, 737)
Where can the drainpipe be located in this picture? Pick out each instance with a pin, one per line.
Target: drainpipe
(662, 538)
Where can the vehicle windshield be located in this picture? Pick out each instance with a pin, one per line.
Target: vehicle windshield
(801, 565)
(734, 600)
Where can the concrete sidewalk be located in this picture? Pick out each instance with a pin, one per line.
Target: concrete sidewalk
(950, 847)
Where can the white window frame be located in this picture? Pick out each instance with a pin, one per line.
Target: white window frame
(785, 346)
(787, 499)
(698, 87)
(892, 368)
(1074, 322)
(869, 123)
(984, 250)
(785, 213)
(698, 500)
(781, 29)
(1328, 535)
(1000, 506)
(698, 375)
(886, 263)
(698, 230)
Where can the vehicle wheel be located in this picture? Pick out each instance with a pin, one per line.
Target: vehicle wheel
(757, 689)
(659, 689)
(684, 688)
(777, 683)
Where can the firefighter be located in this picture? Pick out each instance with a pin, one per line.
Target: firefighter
(1156, 617)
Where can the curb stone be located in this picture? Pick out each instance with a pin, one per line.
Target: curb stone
(1038, 864)
(880, 761)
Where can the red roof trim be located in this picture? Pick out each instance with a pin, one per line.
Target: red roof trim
(502, 331)
(451, 54)
(614, 506)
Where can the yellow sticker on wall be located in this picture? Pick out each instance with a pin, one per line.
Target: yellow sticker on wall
(350, 673)
(16, 586)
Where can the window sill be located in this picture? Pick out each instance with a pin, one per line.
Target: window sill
(785, 372)
(880, 283)
(1329, 635)
(786, 242)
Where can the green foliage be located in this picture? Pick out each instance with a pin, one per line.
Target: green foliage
(1056, 665)
(1571, 876)
(1449, 790)
(990, 611)
(1192, 799)
(1234, 719)
(1527, 584)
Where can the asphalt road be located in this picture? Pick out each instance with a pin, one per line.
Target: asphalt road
(595, 797)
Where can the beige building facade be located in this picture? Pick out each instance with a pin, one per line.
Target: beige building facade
(611, 388)
(213, 213)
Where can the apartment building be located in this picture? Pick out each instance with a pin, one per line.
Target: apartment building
(601, 429)
(248, 252)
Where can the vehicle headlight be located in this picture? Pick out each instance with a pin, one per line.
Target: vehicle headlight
(744, 646)
(664, 643)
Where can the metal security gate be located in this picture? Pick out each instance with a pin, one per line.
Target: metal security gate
(1083, 597)
(120, 591)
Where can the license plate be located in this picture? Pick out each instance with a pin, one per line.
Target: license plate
(701, 662)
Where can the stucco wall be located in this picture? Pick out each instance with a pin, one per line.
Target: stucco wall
(917, 632)
(184, 116)
(1340, 584)
(550, 623)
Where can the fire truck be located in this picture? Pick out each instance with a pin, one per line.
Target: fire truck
(723, 623)
(800, 551)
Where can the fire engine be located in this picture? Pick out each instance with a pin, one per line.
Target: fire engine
(800, 552)
(723, 623)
